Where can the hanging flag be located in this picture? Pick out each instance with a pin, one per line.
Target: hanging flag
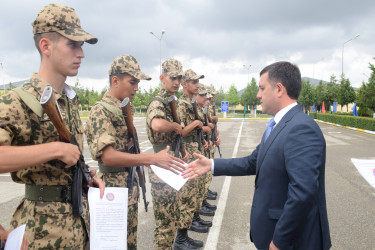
(334, 107)
(323, 108)
(355, 113)
(313, 108)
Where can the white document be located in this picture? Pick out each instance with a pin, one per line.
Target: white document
(108, 218)
(14, 240)
(172, 179)
(367, 169)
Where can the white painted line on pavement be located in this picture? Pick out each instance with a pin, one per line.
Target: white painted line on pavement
(213, 235)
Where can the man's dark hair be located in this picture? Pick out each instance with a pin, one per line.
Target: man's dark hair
(119, 76)
(287, 74)
(53, 36)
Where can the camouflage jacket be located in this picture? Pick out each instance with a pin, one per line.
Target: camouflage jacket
(186, 113)
(104, 128)
(157, 109)
(20, 126)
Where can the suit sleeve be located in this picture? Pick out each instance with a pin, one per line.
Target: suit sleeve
(304, 152)
(236, 166)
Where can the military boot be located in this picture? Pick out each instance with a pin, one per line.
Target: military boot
(201, 221)
(208, 205)
(206, 211)
(182, 241)
(211, 195)
(198, 227)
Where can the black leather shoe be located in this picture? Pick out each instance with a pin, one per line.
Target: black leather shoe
(183, 242)
(212, 192)
(208, 205)
(206, 211)
(197, 227)
(206, 223)
(211, 197)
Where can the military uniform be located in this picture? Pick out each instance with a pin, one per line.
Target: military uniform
(106, 126)
(46, 209)
(49, 224)
(164, 197)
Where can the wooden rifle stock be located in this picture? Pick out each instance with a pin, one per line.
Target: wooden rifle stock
(81, 177)
(180, 147)
(196, 116)
(133, 147)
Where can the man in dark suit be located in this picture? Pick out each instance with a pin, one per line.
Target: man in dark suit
(289, 205)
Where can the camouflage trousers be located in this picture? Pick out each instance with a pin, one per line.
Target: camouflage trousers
(120, 180)
(200, 185)
(51, 225)
(187, 200)
(166, 213)
(207, 184)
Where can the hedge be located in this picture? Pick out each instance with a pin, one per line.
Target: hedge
(346, 120)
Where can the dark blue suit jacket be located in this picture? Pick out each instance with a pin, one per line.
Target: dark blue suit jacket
(289, 205)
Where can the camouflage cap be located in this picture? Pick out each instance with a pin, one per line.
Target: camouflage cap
(127, 64)
(191, 75)
(209, 92)
(172, 67)
(202, 90)
(63, 20)
(213, 91)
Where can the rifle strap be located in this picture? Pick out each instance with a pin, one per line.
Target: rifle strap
(111, 108)
(30, 101)
(157, 98)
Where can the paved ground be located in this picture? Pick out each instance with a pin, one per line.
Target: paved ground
(350, 199)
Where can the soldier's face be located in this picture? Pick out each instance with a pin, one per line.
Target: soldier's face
(201, 99)
(128, 87)
(171, 84)
(192, 86)
(65, 56)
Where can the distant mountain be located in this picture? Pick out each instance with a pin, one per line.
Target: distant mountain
(14, 84)
(313, 81)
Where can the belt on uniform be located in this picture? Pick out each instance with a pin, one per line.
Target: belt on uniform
(160, 147)
(108, 169)
(48, 193)
(191, 138)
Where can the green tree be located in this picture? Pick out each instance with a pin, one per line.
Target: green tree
(346, 94)
(366, 93)
(306, 98)
(332, 91)
(220, 96)
(320, 94)
(249, 97)
(232, 96)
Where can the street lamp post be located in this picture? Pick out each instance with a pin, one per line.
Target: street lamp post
(248, 72)
(161, 36)
(342, 55)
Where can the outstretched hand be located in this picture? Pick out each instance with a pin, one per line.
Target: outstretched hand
(198, 167)
(98, 183)
(169, 162)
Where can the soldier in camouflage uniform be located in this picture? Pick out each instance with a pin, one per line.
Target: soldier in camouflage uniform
(162, 131)
(107, 135)
(30, 143)
(189, 197)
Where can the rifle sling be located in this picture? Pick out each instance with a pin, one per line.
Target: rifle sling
(30, 101)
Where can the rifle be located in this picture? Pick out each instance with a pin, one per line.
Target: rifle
(205, 115)
(214, 130)
(132, 146)
(196, 116)
(180, 147)
(81, 174)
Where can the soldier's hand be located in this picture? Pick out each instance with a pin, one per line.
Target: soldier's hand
(68, 153)
(218, 141)
(206, 130)
(169, 162)
(205, 145)
(187, 156)
(198, 167)
(25, 244)
(210, 144)
(217, 132)
(211, 125)
(178, 129)
(214, 119)
(198, 124)
(99, 183)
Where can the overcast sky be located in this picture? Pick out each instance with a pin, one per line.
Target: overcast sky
(214, 38)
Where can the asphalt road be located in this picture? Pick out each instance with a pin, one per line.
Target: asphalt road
(350, 199)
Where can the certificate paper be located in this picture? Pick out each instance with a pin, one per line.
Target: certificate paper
(14, 240)
(172, 179)
(108, 218)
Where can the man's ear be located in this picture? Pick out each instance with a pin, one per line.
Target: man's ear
(162, 78)
(45, 46)
(115, 81)
(281, 90)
